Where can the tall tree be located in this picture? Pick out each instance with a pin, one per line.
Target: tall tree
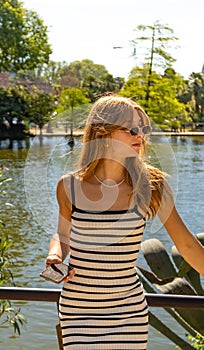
(159, 37)
(72, 75)
(96, 87)
(71, 98)
(163, 107)
(13, 103)
(23, 38)
(196, 85)
(53, 72)
(41, 107)
(83, 69)
(193, 96)
(13, 112)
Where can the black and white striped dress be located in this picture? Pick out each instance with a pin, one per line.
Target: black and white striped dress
(103, 306)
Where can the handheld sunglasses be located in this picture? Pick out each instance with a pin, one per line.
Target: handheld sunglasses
(146, 130)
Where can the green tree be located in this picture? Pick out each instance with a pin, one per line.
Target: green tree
(23, 38)
(41, 107)
(83, 69)
(135, 86)
(96, 87)
(196, 86)
(53, 72)
(14, 103)
(13, 111)
(67, 78)
(69, 99)
(77, 73)
(158, 36)
(192, 95)
(163, 107)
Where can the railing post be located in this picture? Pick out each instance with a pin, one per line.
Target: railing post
(59, 331)
(59, 336)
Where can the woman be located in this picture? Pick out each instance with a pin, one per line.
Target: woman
(103, 208)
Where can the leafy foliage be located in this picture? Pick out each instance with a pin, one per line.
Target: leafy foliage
(197, 341)
(12, 316)
(41, 107)
(163, 105)
(157, 38)
(169, 99)
(83, 69)
(13, 103)
(96, 87)
(9, 314)
(23, 38)
(69, 100)
(196, 86)
(5, 257)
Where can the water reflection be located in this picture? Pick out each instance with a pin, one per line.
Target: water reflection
(32, 219)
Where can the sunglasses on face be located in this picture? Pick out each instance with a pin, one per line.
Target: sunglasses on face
(146, 130)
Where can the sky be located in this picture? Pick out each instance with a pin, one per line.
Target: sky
(90, 29)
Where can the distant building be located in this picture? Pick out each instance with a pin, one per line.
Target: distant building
(202, 69)
(39, 83)
(10, 79)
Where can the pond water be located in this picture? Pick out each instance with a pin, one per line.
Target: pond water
(31, 221)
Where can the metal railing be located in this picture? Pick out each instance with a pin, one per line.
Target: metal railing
(52, 295)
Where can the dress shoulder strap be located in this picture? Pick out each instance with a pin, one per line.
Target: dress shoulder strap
(72, 192)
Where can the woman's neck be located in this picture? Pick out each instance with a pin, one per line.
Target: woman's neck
(110, 169)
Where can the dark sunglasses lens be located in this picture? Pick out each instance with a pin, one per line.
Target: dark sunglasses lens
(134, 131)
(146, 129)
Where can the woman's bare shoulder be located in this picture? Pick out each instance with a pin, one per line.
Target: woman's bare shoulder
(64, 189)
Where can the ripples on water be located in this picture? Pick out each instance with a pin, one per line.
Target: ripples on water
(31, 221)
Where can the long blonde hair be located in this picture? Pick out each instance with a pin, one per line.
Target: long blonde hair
(110, 113)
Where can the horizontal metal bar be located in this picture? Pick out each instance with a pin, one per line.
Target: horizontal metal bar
(175, 301)
(52, 295)
(29, 294)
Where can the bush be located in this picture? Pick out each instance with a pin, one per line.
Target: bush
(9, 314)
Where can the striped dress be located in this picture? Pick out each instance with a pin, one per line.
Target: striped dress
(103, 306)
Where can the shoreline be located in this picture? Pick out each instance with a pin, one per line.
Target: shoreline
(154, 133)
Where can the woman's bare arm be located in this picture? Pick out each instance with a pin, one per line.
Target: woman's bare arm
(59, 244)
(186, 243)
